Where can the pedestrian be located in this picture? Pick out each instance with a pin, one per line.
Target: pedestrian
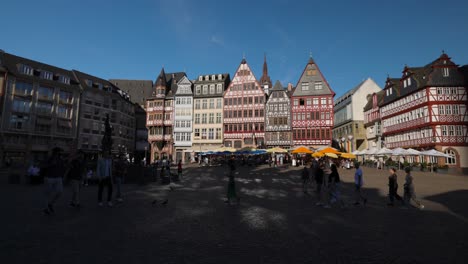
(179, 169)
(313, 171)
(358, 183)
(104, 175)
(120, 170)
(326, 187)
(334, 183)
(231, 189)
(409, 192)
(305, 179)
(393, 187)
(319, 183)
(54, 180)
(75, 175)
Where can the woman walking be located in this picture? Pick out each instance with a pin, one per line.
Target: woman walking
(334, 183)
(393, 187)
(409, 193)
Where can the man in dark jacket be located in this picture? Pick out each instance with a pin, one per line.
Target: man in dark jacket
(54, 180)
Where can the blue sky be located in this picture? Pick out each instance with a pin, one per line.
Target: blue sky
(349, 40)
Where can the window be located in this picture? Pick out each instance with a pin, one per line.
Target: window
(198, 89)
(212, 89)
(205, 104)
(197, 104)
(205, 89)
(458, 130)
(451, 130)
(64, 111)
(301, 101)
(453, 159)
(212, 104)
(47, 75)
(316, 101)
(318, 85)
(219, 88)
(296, 102)
(218, 118)
(197, 118)
(200, 78)
(211, 133)
(203, 136)
(455, 109)
(448, 110)
(197, 132)
(219, 103)
(43, 108)
(66, 97)
(218, 133)
(305, 86)
(323, 101)
(18, 121)
(445, 72)
(64, 79)
(22, 88)
(25, 69)
(22, 106)
(211, 120)
(204, 118)
(308, 102)
(444, 130)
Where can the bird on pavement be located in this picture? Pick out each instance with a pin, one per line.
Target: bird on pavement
(165, 202)
(154, 202)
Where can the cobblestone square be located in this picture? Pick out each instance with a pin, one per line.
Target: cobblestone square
(275, 222)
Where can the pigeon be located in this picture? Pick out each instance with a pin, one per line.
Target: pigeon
(172, 188)
(154, 202)
(165, 202)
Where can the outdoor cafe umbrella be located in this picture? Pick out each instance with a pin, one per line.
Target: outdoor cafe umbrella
(434, 153)
(224, 149)
(276, 150)
(331, 155)
(302, 150)
(318, 155)
(329, 150)
(348, 155)
(383, 151)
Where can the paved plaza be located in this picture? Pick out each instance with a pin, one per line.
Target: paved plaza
(274, 223)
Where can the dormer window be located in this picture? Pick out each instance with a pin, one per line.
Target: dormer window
(220, 76)
(64, 79)
(25, 69)
(207, 78)
(318, 85)
(213, 77)
(99, 86)
(89, 83)
(46, 75)
(200, 78)
(445, 72)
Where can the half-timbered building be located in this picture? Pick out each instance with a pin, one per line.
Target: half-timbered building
(372, 122)
(312, 108)
(244, 105)
(183, 109)
(427, 108)
(278, 118)
(159, 112)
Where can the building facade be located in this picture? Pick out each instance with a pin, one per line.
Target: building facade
(372, 122)
(159, 115)
(312, 109)
(427, 108)
(244, 105)
(39, 109)
(138, 91)
(349, 127)
(183, 110)
(208, 111)
(100, 98)
(278, 118)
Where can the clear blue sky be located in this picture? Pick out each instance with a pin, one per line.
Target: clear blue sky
(349, 40)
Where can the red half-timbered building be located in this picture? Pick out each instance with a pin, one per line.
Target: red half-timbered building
(312, 108)
(244, 106)
(427, 108)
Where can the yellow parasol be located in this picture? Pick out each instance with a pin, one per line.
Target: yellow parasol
(331, 155)
(318, 155)
(330, 150)
(302, 150)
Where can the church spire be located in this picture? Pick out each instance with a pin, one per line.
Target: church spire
(265, 80)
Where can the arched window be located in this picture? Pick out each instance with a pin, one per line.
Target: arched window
(452, 160)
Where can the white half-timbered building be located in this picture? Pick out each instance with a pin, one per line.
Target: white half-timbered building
(427, 108)
(278, 118)
(183, 109)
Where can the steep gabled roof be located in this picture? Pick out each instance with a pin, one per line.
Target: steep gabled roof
(277, 87)
(370, 100)
(312, 74)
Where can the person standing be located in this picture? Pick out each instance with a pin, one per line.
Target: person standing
(120, 170)
(393, 187)
(409, 192)
(326, 187)
(179, 169)
(54, 180)
(319, 183)
(334, 183)
(358, 183)
(231, 190)
(104, 175)
(75, 175)
(305, 179)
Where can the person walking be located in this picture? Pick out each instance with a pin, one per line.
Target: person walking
(358, 183)
(179, 170)
(104, 175)
(231, 190)
(75, 175)
(326, 187)
(334, 183)
(305, 179)
(55, 171)
(120, 170)
(409, 192)
(393, 187)
(319, 183)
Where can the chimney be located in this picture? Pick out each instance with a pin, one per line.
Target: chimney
(290, 87)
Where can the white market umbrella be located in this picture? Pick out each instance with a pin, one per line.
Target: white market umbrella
(434, 153)
(364, 152)
(413, 152)
(399, 152)
(356, 152)
(384, 151)
(372, 151)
